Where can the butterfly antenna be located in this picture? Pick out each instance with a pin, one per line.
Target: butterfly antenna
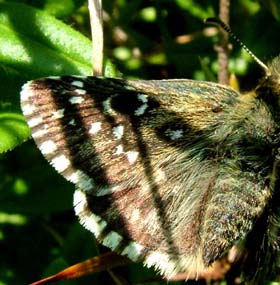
(221, 24)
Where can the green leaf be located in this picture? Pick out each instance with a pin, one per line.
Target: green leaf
(33, 44)
(196, 10)
(60, 8)
(22, 188)
(273, 6)
(13, 130)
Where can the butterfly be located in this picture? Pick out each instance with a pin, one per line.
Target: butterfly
(171, 173)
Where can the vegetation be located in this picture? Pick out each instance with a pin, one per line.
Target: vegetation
(39, 234)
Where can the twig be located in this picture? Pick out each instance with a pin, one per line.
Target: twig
(96, 23)
(223, 48)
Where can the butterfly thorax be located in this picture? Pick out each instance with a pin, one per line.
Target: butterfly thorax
(268, 89)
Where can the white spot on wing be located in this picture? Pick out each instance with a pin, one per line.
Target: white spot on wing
(72, 123)
(78, 83)
(58, 114)
(119, 150)
(133, 251)
(118, 132)
(107, 106)
(76, 100)
(60, 163)
(143, 98)
(128, 87)
(26, 91)
(76, 176)
(112, 240)
(161, 262)
(94, 224)
(48, 147)
(79, 201)
(95, 128)
(153, 258)
(80, 91)
(141, 110)
(28, 109)
(82, 180)
(90, 221)
(168, 266)
(39, 133)
(174, 135)
(132, 156)
(35, 122)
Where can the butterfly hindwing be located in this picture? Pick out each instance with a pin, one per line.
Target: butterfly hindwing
(153, 161)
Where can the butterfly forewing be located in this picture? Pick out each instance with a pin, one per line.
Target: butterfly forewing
(152, 162)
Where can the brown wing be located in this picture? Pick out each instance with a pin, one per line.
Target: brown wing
(153, 161)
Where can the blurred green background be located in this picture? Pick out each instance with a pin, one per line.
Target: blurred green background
(39, 233)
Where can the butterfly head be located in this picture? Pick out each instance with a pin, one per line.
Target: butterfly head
(269, 87)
